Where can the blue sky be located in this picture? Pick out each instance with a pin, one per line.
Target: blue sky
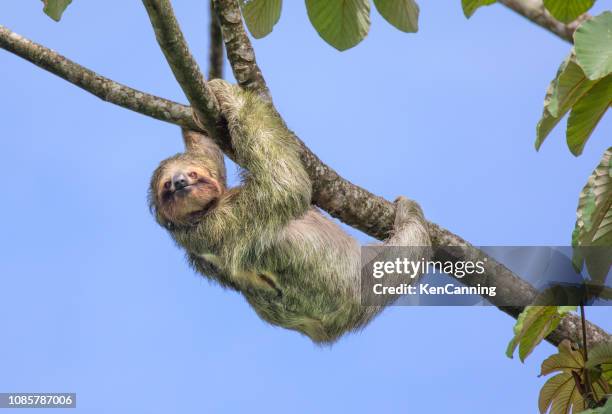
(96, 299)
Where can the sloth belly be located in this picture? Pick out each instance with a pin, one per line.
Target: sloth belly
(319, 324)
(322, 316)
(248, 280)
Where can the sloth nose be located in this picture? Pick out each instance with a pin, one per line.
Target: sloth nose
(180, 181)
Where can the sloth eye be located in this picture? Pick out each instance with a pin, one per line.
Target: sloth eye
(193, 175)
(167, 185)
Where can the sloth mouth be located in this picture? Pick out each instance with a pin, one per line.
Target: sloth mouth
(184, 191)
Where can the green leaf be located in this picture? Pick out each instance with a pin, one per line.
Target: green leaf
(540, 325)
(470, 6)
(518, 328)
(403, 14)
(567, 10)
(564, 310)
(545, 125)
(533, 325)
(600, 358)
(600, 354)
(560, 392)
(606, 373)
(569, 85)
(593, 44)
(261, 15)
(341, 23)
(594, 221)
(55, 8)
(587, 113)
(566, 360)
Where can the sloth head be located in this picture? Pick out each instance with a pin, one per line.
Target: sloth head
(185, 187)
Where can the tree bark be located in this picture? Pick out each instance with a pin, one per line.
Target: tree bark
(215, 52)
(535, 11)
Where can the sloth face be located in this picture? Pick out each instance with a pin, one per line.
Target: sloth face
(185, 191)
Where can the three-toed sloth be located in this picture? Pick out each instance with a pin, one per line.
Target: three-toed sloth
(296, 267)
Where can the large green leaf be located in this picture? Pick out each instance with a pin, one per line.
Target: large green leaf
(600, 359)
(561, 395)
(600, 354)
(593, 43)
(594, 213)
(341, 23)
(571, 84)
(261, 15)
(518, 329)
(567, 10)
(533, 325)
(564, 91)
(606, 373)
(55, 8)
(594, 220)
(560, 392)
(470, 6)
(587, 113)
(566, 360)
(403, 14)
(588, 100)
(545, 125)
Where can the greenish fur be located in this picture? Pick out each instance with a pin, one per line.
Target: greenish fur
(296, 267)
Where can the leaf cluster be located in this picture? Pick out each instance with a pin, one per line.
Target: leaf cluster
(579, 384)
(341, 23)
(565, 11)
(582, 86)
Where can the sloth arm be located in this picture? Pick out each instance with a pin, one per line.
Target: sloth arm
(275, 187)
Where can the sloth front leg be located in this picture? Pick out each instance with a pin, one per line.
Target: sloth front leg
(409, 241)
(410, 227)
(276, 188)
(410, 238)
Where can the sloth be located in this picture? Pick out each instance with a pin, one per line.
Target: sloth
(295, 266)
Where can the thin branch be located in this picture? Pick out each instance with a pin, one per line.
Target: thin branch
(86, 79)
(215, 49)
(351, 204)
(183, 65)
(239, 49)
(535, 11)
(588, 386)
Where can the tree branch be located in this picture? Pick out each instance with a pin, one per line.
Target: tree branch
(104, 88)
(344, 200)
(535, 11)
(239, 50)
(183, 65)
(215, 52)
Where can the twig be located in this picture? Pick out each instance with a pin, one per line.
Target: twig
(535, 11)
(239, 49)
(183, 65)
(588, 386)
(215, 49)
(86, 79)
